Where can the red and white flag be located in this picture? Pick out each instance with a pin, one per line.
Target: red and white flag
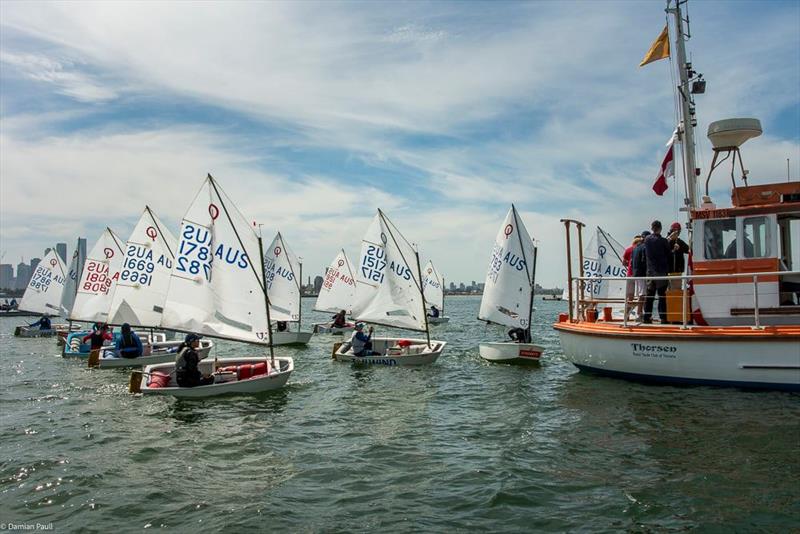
(667, 168)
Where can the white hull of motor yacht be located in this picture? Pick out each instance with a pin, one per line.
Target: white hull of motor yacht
(747, 361)
(509, 352)
(162, 352)
(276, 378)
(418, 353)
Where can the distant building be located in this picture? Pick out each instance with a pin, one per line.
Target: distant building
(34, 264)
(82, 247)
(462, 287)
(23, 275)
(61, 248)
(47, 251)
(452, 286)
(481, 286)
(318, 283)
(6, 276)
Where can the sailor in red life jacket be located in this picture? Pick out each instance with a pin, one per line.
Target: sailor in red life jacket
(98, 337)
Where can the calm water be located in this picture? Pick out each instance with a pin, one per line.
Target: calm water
(461, 445)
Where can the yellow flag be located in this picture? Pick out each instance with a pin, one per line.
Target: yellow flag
(658, 50)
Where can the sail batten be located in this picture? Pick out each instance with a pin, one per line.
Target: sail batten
(508, 288)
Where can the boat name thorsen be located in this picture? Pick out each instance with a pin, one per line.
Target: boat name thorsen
(654, 351)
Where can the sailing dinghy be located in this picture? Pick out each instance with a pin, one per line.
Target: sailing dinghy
(284, 272)
(141, 291)
(508, 294)
(70, 291)
(338, 292)
(217, 289)
(390, 294)
(43, 294)
(433, 289)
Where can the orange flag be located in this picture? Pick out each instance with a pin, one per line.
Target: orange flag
(658, 50)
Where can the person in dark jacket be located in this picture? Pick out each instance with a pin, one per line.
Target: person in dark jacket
(434, 311)
(187, 371)
(679, 248)
(43, 323)
(129, 345)
(339, 320)
(519, 335)
(361, 342)
(657, 253)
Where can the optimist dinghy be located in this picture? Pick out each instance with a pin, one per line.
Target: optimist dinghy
(284, 271)
(390, 294)
(158, 352)
(433, 289)
(217, 289)
(508, 294)
(338, 292)
(43, 294)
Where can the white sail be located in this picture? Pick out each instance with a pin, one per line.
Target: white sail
(370, 268)
(282, 269)
(509, 279)
(71, 284)
(603, 257)
(338, 291)
(43, 294)
(433, 286)
(215, 287)
(144, 279)
(98, 279)
(397, 298)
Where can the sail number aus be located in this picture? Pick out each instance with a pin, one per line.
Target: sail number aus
(373, 264)
(97, 280)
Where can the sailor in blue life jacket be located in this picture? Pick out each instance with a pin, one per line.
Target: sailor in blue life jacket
(128, 344)
(361, 343)
(434, 311)
(43, 323)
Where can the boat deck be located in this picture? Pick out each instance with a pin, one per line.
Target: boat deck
(656, 331)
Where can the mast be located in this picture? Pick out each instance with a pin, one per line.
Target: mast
(266, 301)
(688, 119)
(533, 290)
(443, 296)
(300, 297)
(532, 276)
(422, 295)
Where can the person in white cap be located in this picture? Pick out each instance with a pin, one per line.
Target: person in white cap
(361, 342)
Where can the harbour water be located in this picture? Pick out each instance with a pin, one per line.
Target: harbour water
(461, 445)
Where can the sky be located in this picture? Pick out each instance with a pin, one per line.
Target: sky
(312, 115)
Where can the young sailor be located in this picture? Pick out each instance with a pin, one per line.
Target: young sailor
(129, 345)
(187, 372)
(339, 320)
(519, 335)
(98, 337)
(361, 343)
(43, 323)
(434, 311)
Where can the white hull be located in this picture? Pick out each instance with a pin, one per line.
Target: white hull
(438, 320)
(739, 362)
(161, 352)
(524, 353)
(326, 328)
(27, 331)
(418, 354)
(276, 379)
(74, 344)
(290, 338)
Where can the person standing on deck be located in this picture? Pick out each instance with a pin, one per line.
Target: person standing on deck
(630, 285)
(657, 253)
(678, 249)
(639, 269)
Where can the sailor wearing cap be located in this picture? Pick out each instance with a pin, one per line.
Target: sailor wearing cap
(361, 342)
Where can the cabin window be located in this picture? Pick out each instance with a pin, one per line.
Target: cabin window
(755, 237)
(720, 239)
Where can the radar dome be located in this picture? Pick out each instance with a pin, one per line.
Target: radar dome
(730, 133)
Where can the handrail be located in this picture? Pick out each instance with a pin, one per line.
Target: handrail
(581, 303)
